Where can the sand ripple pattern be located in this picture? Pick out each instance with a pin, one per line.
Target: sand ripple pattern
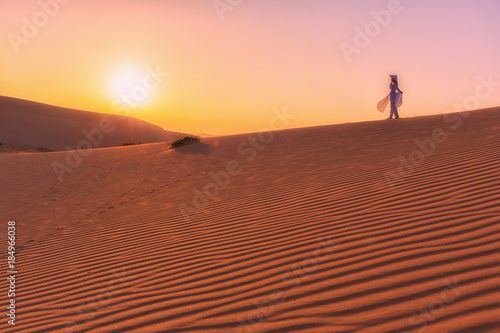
(308, 238)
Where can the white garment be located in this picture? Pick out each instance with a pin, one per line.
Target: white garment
(399, 99)
(382, 105)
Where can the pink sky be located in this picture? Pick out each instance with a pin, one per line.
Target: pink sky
(226, 76)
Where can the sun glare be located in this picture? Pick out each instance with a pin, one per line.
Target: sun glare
(127, 87)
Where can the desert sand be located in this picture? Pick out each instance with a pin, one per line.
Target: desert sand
(359, 227)
(30, 125)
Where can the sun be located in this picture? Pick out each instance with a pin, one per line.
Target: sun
(128, 87)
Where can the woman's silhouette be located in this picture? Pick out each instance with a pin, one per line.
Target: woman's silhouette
(396, 98)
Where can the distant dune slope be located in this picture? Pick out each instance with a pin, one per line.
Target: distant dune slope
(376, 227)
(27, 124)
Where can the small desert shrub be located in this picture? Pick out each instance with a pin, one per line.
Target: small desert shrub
(8, 149)
(184, 141)
(130, 144)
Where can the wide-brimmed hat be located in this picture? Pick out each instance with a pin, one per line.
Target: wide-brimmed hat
(394, 77)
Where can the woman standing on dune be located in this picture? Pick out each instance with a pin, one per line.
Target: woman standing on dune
(396, 97)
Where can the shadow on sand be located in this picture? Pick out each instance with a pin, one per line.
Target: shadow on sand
(199, 148)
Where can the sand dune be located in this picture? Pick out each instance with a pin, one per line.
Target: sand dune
(326, 229)
(26, 124)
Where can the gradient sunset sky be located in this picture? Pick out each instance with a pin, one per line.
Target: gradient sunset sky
(228, 70)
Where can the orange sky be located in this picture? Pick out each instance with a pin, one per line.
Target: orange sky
(226, 76)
